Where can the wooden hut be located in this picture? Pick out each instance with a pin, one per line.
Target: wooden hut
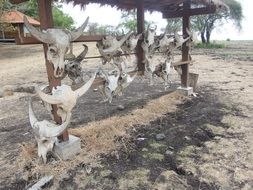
(169, 8)
(15, 25)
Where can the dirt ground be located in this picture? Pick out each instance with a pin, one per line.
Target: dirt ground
(207, 140)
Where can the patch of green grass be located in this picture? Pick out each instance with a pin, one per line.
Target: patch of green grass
(156, 145)
(153, 156)
(210, 45)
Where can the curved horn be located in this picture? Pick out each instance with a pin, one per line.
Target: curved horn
(125, 38)
(32, 117)
(189, 32)
(82, 90)
(177, 38)
(41, 36)
(47, 98)
(129, 80)
(138, 36)
(114, 48)
(82, 55)
(53, 130)
(78, 33)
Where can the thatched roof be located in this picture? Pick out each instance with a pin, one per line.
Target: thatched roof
(16, 17)
(150, 5)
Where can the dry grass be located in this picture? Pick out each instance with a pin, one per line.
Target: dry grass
(98, 137)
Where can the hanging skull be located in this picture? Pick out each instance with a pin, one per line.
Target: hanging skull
(46, 132)
(115, 45)
(165, 43)
(165, 69)
(58, 41)
(149, 36)
(131, 43)
(110, 85)
(73, 68)
(64, 97)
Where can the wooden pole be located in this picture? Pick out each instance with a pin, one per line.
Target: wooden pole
(185, 49)
(46, 21)
(140, 29)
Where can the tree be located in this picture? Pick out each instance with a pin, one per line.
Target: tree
(61, 19)
(5, 5)
(173, 25)
(129, 22)
(205, 24)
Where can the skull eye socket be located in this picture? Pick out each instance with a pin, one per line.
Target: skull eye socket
(44, 141)
(53, 50)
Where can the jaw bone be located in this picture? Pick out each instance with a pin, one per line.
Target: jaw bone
(58, 41)
(46, 132)
(64, 97)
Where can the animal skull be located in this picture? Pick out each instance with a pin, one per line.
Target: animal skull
(73, 68)
(166, 67)
(64, 97)
(131, 43)
(58, 41)
(149, 37)
(124, 81)
(165, 43)
(115, 45)
(111, 84)
(46, 132)
(179, 40)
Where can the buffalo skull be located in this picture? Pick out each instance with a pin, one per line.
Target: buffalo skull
(46, 132)
(64, 97)
(110, 85)
(73, 68)
(58, 42)
(131, 43)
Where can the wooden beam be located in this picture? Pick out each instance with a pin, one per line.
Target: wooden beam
(190, 12)
(140, 29)
(185, 48)
(21, 40)
(46, 21)
(17, 1)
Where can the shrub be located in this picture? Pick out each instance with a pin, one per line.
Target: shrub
(210, 45)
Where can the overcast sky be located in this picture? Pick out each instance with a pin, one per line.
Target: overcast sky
(107, 15)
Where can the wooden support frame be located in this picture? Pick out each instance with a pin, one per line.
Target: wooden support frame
(20, 40)
(46, 21)
(190, 12)
(140, 29)
(185, 48)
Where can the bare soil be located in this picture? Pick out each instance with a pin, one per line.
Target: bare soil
(208, 140)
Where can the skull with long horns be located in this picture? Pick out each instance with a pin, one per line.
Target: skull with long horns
(58, 42)
(46, 132)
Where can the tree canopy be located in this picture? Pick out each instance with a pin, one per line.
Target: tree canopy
(30, 8)
(129, 21)
(205, 24)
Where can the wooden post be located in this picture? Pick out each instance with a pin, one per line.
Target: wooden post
(46, 21)
(140, 29)
(185, 49)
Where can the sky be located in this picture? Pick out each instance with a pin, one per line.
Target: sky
(111, 16)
